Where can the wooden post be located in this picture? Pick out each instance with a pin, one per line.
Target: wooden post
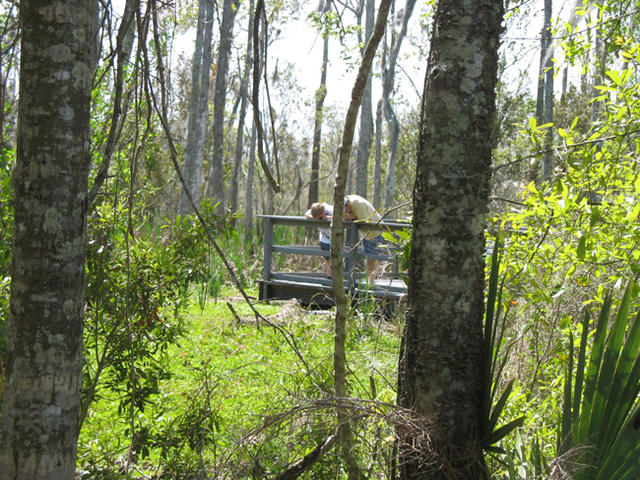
(350, 257)
(268, 256)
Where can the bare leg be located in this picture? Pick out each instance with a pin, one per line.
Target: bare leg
(372, 269)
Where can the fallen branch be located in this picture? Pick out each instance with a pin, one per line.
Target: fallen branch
(304, 464)
(239, 320)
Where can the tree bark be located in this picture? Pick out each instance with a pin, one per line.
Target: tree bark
(366, 115)
(377, 166)
(39, 428)
(259, 64)
(547, 168)
(215, 188)
(244, 100)
(198, 108)
(599, 69)
(544, 98)
(388, 81)
(124, 46)
(321, 94)
(248, 208)
(441, 370)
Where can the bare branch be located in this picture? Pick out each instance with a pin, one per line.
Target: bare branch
(256, 93)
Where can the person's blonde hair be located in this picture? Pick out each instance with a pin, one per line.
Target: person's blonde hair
(317, 209)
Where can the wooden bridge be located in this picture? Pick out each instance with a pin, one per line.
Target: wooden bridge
(315, 287)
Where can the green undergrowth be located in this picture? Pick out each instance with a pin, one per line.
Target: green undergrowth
(243, 398)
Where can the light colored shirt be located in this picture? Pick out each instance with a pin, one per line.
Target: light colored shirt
(364, 211)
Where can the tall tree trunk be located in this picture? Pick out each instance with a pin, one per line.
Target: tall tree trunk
(120, 105)
(6, 62)
(366, 114)
(377, 168)
(600, 61)
(339, 355)
(321, 94)
(441, 369)
(39, 428)
(248, 205)
(244, 99)
(541, 77)
(388, 81)
(198, 108)
(215, 188)
(377, 165)
(270, 197)
(547, 169)
(545, 76)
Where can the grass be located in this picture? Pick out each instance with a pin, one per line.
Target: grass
(229, 378)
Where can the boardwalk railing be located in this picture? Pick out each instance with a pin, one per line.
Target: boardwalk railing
(315, 286)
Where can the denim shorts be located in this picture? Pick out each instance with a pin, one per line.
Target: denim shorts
(372, 246)
(325, 246)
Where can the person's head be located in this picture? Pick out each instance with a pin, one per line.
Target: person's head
(318, 211)
(348, 214)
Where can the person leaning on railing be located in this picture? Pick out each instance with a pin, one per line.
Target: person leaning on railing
(359, 208)
(322, 211)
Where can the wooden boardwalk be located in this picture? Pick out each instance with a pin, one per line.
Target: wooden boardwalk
(315, 288)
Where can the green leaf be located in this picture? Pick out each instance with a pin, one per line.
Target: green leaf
(633, 214)
(593, 368)
(595, 216)
(625, 385)
(582, 246)
(574, 123)
(614, 76)
(505, 430)
(565, 431)
(577, 390)
(608, 424)
(623, 462)
(602, 421)
(499, 407)
(494, 449)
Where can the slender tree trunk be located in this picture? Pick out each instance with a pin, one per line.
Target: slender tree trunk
(541, 78)
(388, 81)
(394, 133)
(124, 47)
(41, 400)
(321, 94)
(377, 169)
(339, 357)
(248, 216)
(547, 171)
(599, 59)
(244, 100)
(366, 115)
(543, 88)
(215, 188)
(198, 108)
(8, 61)
(441, 369)
(259, 53)
(270, 201)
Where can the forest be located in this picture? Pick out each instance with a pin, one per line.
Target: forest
(144, 142)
